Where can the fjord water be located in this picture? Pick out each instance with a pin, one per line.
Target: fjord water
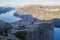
(56, 33)
(8, 17)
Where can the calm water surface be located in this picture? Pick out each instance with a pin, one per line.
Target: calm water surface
(56, 33)
(8, 17)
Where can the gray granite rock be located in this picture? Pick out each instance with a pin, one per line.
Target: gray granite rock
(3, 38)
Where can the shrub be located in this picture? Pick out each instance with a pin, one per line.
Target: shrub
(21, 34)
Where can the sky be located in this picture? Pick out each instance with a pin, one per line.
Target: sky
(24, 2)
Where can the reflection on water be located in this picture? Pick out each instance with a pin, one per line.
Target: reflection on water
(8, 17)
(56, 33)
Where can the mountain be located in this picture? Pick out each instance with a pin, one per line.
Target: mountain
(24, 17)
(40, 12)
(5, 9)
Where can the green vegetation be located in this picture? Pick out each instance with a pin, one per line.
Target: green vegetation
(14, 38)
(21, 34)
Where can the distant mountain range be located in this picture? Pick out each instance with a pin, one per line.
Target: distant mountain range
(39, 11)
(5, 9)
(35, 11)
(24, 17)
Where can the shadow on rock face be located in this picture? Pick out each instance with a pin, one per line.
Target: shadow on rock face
(56, 22)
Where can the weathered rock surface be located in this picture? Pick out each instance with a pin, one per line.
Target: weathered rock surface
(3, 38)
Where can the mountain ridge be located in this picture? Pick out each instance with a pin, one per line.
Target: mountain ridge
(39, 11)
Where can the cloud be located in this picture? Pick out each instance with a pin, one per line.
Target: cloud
(29, 1)
(14, 4)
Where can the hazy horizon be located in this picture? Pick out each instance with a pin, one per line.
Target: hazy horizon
(15, 3)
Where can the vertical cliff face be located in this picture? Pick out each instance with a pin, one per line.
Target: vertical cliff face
(42, 31)
(46, 31)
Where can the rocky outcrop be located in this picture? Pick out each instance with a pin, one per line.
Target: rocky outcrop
(3, 38)
(41, 31)
(4, 28)
(38, 29)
